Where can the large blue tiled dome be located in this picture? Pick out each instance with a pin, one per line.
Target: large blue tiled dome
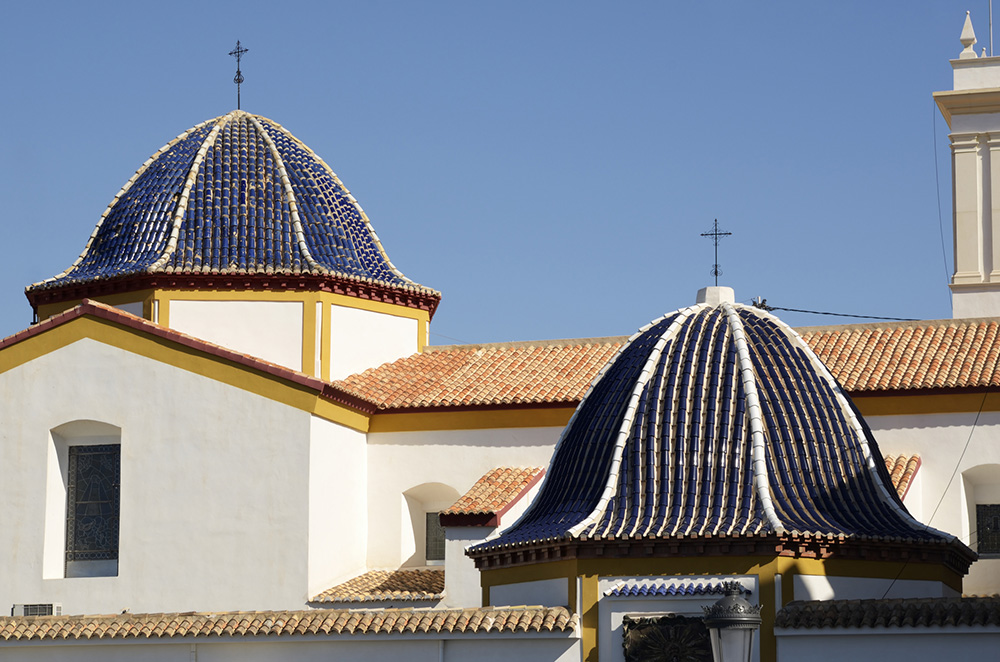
(237, 194)
(715, 420)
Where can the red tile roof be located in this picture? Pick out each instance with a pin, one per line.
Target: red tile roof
(902, 469)
(893, 356)
(388, 585)
(491, 497)
(909, 613)
(282, 623)
(886, 356)
(550, 372)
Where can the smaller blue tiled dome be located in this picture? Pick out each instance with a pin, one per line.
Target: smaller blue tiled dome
(239, 195)
(715, 420)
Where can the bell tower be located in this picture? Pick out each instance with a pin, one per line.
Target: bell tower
(972, 110)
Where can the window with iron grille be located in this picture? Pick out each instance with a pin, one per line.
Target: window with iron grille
(988, 529)
(434, 549)
(92, 503)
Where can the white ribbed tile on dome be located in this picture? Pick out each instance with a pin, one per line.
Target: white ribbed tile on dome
(715, 420)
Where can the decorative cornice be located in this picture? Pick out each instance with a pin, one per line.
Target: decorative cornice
(952, 554)
(967, 102)
(333, 283)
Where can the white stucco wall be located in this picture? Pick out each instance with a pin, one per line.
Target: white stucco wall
(819, 587)
(338, 525)
(463, 585)
(361, 339)
(400, 462)
(523, 647)
(888, 644)
(613, 609)
(214, 486)
(958, 456)
(270, 330)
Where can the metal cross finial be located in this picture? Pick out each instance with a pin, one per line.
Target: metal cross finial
(238, 78)
(716, 234)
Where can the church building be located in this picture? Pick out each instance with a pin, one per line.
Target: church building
(226, 437)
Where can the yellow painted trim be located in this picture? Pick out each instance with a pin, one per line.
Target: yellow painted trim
(163, 318)
(309, 335)
(192, 360)
(472, 420)
(308, 300)
(144, 296)
(294, 295)
(422, 331)
(590, 570)
(941, 403)
(375, 306)
(327, 335)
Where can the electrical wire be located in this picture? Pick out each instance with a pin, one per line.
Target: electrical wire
(937, 190)
(944, 492)
(762, 305)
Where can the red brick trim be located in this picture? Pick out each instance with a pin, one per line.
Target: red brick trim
(951, 553)
(489, 519)
(111, 314)
(422, 300)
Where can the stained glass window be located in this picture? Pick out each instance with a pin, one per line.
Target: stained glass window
(988, 525)
(93, 502)
(435, 538)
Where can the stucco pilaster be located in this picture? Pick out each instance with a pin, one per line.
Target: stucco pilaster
(967, 199)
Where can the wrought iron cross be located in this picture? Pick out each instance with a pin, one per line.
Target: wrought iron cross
(238, 78)
(716, 235)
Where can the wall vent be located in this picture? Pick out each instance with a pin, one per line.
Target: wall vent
(37, 609)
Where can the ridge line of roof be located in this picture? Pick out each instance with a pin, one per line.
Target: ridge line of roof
(104, 311)
(558, 342)
(862, 326)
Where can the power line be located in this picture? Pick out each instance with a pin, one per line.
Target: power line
(937, 189)
(762, 305)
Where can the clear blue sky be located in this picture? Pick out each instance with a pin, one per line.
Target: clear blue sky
(548, 166)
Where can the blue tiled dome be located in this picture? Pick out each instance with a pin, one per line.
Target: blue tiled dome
(715, 420)
(237, 194)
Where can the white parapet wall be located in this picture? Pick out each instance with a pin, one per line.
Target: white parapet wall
(522, 647)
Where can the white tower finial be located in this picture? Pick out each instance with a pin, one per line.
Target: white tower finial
(968, 39)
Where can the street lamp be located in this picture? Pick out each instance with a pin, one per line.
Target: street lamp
(731, 623)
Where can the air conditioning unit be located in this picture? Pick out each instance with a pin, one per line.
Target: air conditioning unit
(37, 609)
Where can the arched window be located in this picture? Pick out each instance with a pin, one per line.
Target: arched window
(83, 500)
(425, 503)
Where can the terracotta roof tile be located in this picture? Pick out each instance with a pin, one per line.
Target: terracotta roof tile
(954, 353)
(910, 612)
(496, 491)
(550, 372)
(316, 621)
(902, 469)
(863, 357)
(385, 585)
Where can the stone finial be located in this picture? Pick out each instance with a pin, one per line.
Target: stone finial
(968, 39)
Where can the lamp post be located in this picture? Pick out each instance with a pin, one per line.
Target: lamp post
(731, 624)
